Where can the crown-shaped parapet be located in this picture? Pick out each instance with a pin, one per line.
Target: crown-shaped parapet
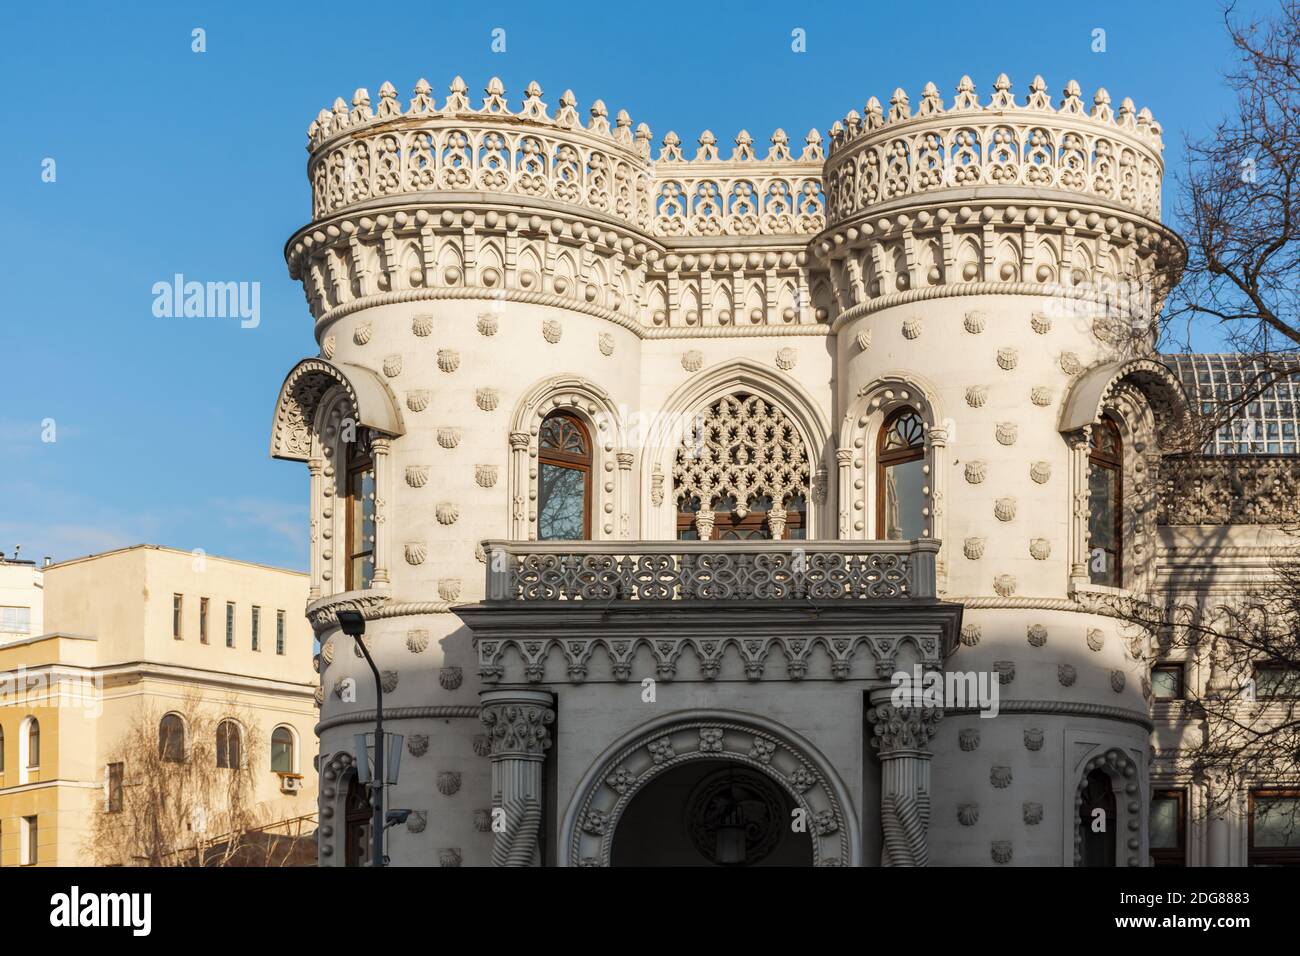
(745, 194)
(905, 150)
(370, 153)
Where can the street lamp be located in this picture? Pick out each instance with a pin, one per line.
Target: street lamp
(354, 625)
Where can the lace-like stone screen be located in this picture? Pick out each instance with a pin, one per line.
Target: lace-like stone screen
(743, 458)
(1262, 411)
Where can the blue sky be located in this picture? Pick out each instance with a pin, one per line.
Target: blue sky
(172, 161)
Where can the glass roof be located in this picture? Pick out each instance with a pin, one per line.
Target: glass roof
(1261, 408)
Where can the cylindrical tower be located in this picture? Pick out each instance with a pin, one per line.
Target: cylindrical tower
(996, 267)
(462, 262)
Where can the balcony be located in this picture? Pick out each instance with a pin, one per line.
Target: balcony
(612, 611)
(604, 571)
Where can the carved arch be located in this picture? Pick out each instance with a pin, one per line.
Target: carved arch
(664, 437)
(308, 384)
(624, 769)
(1126, 781)
(611, 466)
(874, 403)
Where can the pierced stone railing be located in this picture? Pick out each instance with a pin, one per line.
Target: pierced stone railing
(883, 156)
(604, 571)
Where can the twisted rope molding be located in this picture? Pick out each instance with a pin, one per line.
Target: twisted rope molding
(558, 301)
(1103, 609)
(908, 296)
(1064, 708)
(467, 711)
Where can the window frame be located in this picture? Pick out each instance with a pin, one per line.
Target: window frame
(359, 460)
(219, 750)
(1099, 458)
(1293, 693)
(293, 749)
(163, 753)
(255, 626)
(114, 784)
(178, 617)
(583, 464)
(1175, 668)
(893, 458)
(1270, 856)
(280, 627)
(203, 620)
(1177, 855)
(230, 624)
(33, 733)
(30, 840)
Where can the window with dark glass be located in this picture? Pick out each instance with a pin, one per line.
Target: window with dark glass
(900, 477)
(279, 632)
(171, 738)
(563, 479)
(360, 512)
(203, 620)
(230, 624)
(282, 750)
(1105, 503)
(1274, 828)
(257, 628)
(176, 616)
(1277, 681)
(1167, 681)
(33, 743)
(1168, 828)
(114, 786)
(229, 745)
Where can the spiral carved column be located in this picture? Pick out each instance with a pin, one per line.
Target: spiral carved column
(517, 722)
(901, 735)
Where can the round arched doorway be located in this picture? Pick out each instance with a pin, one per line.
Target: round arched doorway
(719, 744)
(711, 813)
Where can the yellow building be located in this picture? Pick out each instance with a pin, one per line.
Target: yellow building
(151, 633)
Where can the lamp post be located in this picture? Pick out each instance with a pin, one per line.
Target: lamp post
(354, 625)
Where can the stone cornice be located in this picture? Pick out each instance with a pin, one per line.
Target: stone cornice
(466, 711)
(1064, 708)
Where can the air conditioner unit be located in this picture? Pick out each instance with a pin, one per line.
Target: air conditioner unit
(290, 783)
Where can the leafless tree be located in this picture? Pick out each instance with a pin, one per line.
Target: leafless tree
(173, 805)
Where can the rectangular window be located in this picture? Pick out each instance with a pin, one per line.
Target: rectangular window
(176, 616)
(257, 628)
(1277, 681)
(230, 624)
(1168, 828)
(203, 620)
(360, 479)
(1274, 828)
(113, 796)
(279, 632)
(29, 837)
(15, 620)
(1167, 682)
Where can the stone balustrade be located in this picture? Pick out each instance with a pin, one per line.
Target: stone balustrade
(575, 571)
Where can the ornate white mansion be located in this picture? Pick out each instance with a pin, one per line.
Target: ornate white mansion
(652, 470)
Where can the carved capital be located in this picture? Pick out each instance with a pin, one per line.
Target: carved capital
(517, 723)
(902, 728)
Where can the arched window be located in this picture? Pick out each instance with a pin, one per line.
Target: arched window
(1097, 821)
(282, 750)
(1105, 503)
(33, 743)
(900, 477)
(229, 745)
(171, 738)
(742, 473)
(358, 817)
(563, 479)
(360, 511)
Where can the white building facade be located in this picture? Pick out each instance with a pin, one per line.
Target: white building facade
(650, 472)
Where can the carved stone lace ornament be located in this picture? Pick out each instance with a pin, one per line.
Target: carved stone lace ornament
(741, 450)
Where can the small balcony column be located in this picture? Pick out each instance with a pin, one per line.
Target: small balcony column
(518, 723)
(901, 737)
